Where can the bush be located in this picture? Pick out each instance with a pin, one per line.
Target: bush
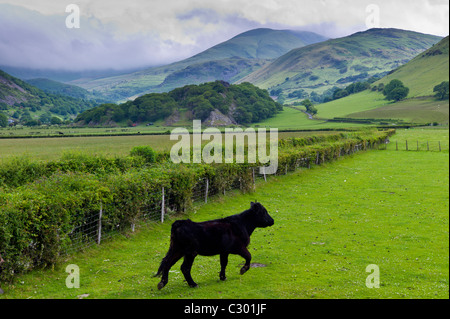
(144, 151)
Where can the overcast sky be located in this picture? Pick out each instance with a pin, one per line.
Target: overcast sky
(136, 33)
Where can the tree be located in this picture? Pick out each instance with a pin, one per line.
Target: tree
(339, 93)
(309, 107)
(55, 120)
(442, 90)
(395, 90)
(3, 120)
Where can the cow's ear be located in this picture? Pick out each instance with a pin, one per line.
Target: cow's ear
(251, 204)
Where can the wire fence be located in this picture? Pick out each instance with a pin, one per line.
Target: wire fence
(97, 227)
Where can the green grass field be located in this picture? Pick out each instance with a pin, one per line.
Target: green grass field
(45, 149)
(293, 119)
(386, 207)
(420, 110)
(372, 105)
(362, 101)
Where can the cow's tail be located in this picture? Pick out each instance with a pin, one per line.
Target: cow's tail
(169, 254)
(162, 265)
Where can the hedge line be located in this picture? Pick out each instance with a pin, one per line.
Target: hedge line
(38, 218)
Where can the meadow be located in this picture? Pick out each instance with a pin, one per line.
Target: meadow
(372, 105)
(382, 207)
(119, 141)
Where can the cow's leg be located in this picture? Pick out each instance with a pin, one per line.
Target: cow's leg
(186, 270)
(168, 261)
(223, 265)
(244, 253)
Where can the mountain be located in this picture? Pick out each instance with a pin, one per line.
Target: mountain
(229, 61)
(338, 62)
(421, 74)
(215, 103)
(55, 87)
(27, 103)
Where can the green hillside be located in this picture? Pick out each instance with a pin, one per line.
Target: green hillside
(425, 71)
(339, 62)
(228, 61)
(27, 104)
(215, 103)
(55, 87)
(420, 75)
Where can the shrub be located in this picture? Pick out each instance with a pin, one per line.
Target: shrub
(144, 151)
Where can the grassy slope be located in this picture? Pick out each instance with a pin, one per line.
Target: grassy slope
(420, 110)
(425, 71)
(330, 223)
(362, 101)
(420, 74)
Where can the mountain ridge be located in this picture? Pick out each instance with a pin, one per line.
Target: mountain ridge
(335, 62)
(239, 55)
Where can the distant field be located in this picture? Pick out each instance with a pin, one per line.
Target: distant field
(294, 119)
(54, 148)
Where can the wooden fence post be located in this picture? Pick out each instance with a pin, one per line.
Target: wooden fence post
(428, 146)
(396, 145)
(406, 144)
(206, 191)
(417, 145)
(439, 146)
(162, 205)
(99, 232)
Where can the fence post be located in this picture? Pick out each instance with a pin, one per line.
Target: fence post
(439, 146)
(406, 144)
(162, 206)
(396, 145)
(253, 178)
(428, 146)
(99, 233)
(417, 145)
(206, 191)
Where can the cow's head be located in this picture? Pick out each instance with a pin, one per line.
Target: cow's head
(262, 217)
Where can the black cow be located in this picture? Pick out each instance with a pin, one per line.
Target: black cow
(229, 235)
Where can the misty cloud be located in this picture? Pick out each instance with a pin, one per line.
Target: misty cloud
(138, 33)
